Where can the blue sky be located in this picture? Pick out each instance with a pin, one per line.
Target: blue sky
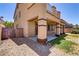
(69, 12)
(7, 11)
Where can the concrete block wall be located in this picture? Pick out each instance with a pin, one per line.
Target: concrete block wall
(1, 26)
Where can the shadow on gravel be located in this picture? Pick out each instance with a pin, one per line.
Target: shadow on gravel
(41, 50)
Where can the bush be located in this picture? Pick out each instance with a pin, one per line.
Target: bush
(8, 24)
(57, 40)
(75, 31)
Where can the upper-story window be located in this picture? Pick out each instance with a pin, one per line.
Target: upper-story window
(18, 5)
(19, 14)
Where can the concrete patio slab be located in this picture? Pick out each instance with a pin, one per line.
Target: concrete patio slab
(49, 38)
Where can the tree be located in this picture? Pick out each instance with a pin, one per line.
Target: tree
(8, 24)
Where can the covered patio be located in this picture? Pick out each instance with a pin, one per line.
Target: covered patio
(43, 29)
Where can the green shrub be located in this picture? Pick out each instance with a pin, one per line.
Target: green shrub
(8, 24)
(57, 40)
(75, 31)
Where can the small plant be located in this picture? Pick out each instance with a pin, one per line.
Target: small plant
(57, 40)
(65, 45)
(75, 31)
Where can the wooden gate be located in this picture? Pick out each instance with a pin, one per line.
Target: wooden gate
(12, 33)
(19, 32)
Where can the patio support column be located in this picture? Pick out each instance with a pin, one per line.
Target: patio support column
(42, 31)
(58, 30)
(61, 31)
(55, 29)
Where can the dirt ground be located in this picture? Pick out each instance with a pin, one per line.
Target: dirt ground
(27, 47)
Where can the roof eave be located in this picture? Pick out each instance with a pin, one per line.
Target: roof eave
(15, 10)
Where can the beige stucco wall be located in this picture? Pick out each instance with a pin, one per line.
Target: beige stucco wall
(52, 18)
(31, 28)
(27, 14)
(24, 25)
(1, 26)
(39, 9)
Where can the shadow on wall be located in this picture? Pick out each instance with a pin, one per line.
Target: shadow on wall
(41, 50)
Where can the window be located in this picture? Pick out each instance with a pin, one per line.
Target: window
(19, 14)
(50, 28)
(17, 5)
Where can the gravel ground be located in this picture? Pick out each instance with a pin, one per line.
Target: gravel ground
(27, 47)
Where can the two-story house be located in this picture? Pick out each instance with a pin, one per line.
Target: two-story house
(36, 19)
